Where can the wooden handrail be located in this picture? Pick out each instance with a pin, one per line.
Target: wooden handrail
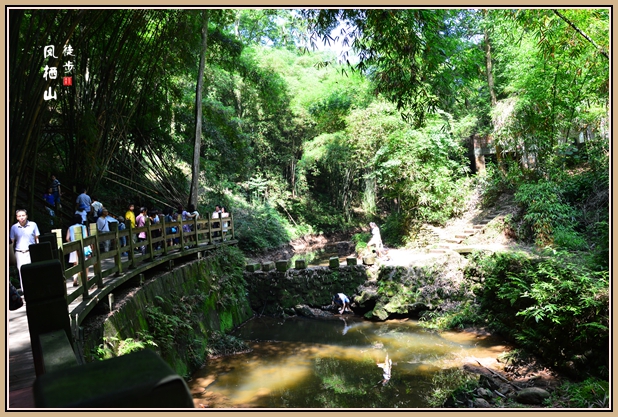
(103, 271)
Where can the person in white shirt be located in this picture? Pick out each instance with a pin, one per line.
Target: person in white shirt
(23, 234)
(376, 239)
(103, 227)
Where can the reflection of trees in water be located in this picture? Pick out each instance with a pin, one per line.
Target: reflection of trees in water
(349, 384)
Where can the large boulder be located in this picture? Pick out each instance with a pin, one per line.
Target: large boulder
(532, 395)
(305, 310)
(481, 403)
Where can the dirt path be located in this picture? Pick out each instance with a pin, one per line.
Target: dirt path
(477, 229)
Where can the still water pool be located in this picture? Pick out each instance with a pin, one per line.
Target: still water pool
(305, 363)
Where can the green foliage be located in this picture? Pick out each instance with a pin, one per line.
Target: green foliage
(551, 90)
(413, 57)
(360, 240)
(175, 323)
(591, 393)
(230, 284)
(328, 157)
(555, 306)
(223, 344)
(330, 111)
(396, 229)
(567, 238)
(492, 184)
(448, 384)
(113, 347)
(544, 209)
(467, 314)
(424, 170)
(260, 227)
(569, 212)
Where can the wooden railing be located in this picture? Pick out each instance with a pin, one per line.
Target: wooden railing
(101, 272)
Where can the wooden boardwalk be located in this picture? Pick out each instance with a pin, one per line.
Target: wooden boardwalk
(20, 374)
(20, 366)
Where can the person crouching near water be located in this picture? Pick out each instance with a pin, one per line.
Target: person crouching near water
(342, 301)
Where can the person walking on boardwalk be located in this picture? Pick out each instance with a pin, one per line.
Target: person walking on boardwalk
(23, 234)
(225, 225)
(56, 190)
(97, 207)
(103, 227)
(130, 215)
(140, 221)
(70, 237)
(84, 199)
(50, 203)
(215, 215)
(81, 210)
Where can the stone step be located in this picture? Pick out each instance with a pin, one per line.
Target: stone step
(437, 250)
(470, 231)
(464, 250)
(462, 235)
(453, 240)
(478, 226)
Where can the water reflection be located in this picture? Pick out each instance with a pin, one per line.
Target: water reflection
(340, 363)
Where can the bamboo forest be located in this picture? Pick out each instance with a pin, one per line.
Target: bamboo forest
(400, 208)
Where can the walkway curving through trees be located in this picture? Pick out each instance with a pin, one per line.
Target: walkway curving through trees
(107, 271)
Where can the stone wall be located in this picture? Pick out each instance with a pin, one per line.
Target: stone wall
(277, 293)
(174, 293)
(377, 293)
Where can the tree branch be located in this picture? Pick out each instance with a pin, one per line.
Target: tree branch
(578, 30)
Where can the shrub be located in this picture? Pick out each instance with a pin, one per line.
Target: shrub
(544, 209)
(449, 385)
(567, 238)
(361, 240)
(556, 307)
(492, 184)
(591, 393)
(260, 227)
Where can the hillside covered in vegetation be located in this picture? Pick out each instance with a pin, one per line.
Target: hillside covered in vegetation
(398, 122)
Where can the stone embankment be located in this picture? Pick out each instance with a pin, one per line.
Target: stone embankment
(376, 291)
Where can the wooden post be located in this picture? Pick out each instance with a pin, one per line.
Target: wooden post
(58, 233)
(131, 250)
(210, 229)
(164, 234)
(80, 253)
(232, 226)
(195, 230)
(149, 238)
(81, 259)
(96, 251)
(182, 233)
(117, 260)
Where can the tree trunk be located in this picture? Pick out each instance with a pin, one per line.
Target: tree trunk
(492, 93)
(198, 113)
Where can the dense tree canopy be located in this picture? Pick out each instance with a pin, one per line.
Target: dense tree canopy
(246, 108)
(322, 140)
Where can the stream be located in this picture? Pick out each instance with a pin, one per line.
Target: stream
(338, 363)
